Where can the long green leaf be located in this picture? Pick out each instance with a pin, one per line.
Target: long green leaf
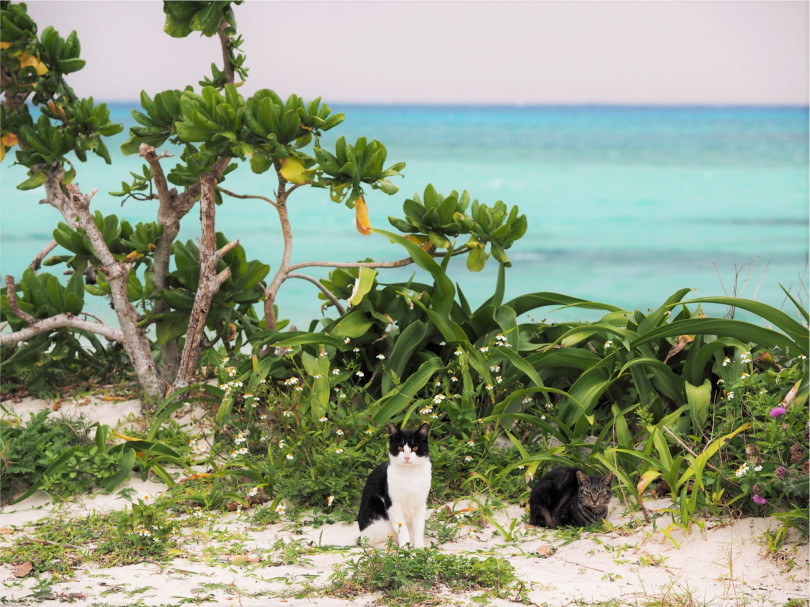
(393, 403)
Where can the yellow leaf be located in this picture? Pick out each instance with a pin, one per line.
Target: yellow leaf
(293, 171)
(27, 60)
(361, 217)
(422, 241)
(4, 45)
(9, 139)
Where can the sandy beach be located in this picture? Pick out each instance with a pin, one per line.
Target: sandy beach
(232, 561)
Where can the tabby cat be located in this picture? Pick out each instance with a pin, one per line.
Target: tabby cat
(567, 496)
(394, 498)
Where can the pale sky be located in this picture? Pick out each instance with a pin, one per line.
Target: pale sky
(713, 53)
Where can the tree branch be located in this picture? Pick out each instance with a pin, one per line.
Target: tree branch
(323, 289)
(11, 293)
(284, 266)
(35, 265)
(209, 283)
(225, 43)
(46, 325)
(134, 337)
(246, 196)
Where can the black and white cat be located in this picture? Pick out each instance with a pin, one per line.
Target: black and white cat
(394, 499)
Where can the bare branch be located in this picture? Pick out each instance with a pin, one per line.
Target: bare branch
(323, 289)
(62, 321)
(246, 196)
(45, 325)
(227, 248)
(208, 285)
(35, 265)
(134, 337)
(359, 264)
(11, 293)
(225, 43)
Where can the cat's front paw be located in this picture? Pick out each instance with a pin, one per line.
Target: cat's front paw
(403, 537)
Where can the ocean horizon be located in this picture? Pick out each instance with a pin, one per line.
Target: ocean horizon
(626, 203)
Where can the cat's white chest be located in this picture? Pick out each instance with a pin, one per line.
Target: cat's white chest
(408, 487)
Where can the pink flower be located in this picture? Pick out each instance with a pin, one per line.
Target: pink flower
(777, 412)
(780, 472)
(758, 499)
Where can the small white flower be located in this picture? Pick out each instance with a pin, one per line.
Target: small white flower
(495, 368)
(299, 389)
(726, 361)
(339, 450)
(434, 416)
(471, 443)
(253, 491)
(720, 382)
(335, 371)
(197, 512)
(243, 451)
(484, 349)
(347, 340)
(467, 458)
(730, 395)
(802, 357)
(290, 456)
(317, 376)
(293, 381)
(339, 432)
(323, 419)
(757, 468)
(500, 337)
(281, 444)
(426, 411)
(381, 356)
(231, 371)
(454, 378)
(322, 354)
(744, 376)
(280, 509)
(458, 352)
(356, 350)
(370, 431)
(224, 362)
(499, 379)
(360, 374)
(263, 416)
(287, 413)
(742, 470)
(439, 398)
(329, 501)
(608, 343)
(489, 387)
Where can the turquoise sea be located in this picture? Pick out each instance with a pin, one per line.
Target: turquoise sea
(625, 204)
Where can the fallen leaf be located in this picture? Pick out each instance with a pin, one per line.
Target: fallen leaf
(22, 570)
(544, 550)
(5, 531)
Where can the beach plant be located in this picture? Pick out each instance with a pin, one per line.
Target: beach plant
(210, 293)
(411, 576)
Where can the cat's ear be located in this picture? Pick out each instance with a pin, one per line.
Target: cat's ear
(582, 477)
(392, 429)
(607, 479)
(423, 431)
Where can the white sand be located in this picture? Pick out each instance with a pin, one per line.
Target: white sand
(724, 565)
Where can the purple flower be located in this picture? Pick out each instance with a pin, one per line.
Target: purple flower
(758, 499)
(780, 472)
(777, 411)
